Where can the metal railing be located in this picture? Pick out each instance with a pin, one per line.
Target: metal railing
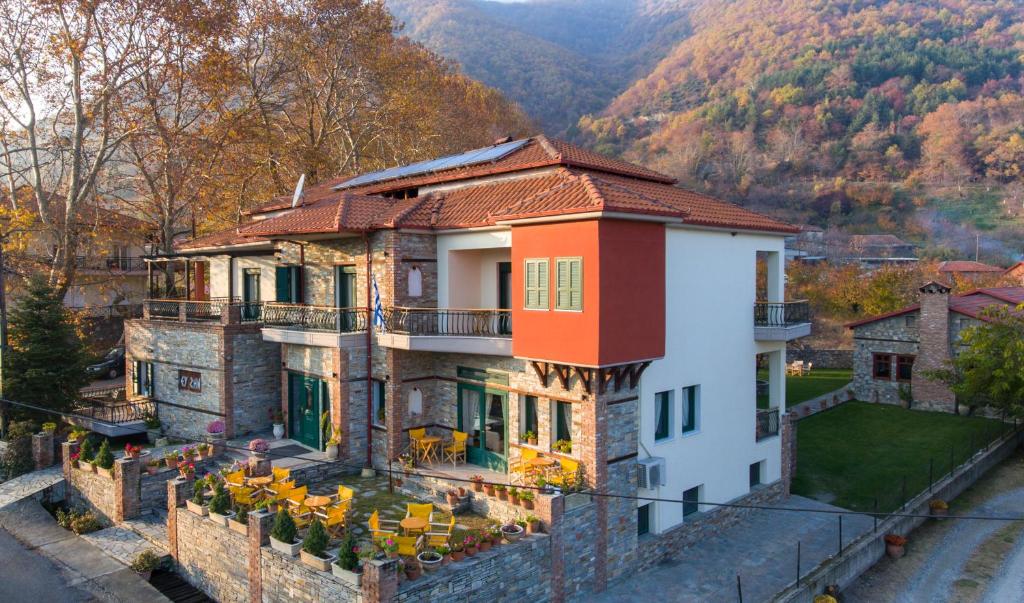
(767, 423)
(313, 318)
(112, 393)
(162, 308)
(120, 412)
(195, 310)
(111, 263)
(781, 314)
(448, 321)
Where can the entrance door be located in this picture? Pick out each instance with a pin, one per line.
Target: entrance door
(483, 414)
(251, 293)
(304, 406)
(345, 296)
(505, 297)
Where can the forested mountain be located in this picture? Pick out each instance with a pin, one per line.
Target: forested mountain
(559, 59)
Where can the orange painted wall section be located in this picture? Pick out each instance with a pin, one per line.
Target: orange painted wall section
(623, 317)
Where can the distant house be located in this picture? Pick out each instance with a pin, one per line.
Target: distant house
(872, 250)
(894, 351)
(1015, 273)
(967, 269)
(806, 246)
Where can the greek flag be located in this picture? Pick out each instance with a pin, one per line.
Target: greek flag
(378, 308)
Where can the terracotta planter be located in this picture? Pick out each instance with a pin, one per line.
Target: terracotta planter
(488, 490)
(288, 549)
(200, 510)
(354, 579)
(320, 564)
(478, 487)
(531, 441)
(484, 546)
(458, 555)
(453, 499)
(502, 494)
(412, 572)
(514, 500)
(462, 492)
(533, 527)
(470, 551)
(526, 504)
(171, 463)
(895, 551)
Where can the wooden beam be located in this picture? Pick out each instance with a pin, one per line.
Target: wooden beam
(563, 374)
(634, 373)
(620, 375)
(542, 371)
(585, 374)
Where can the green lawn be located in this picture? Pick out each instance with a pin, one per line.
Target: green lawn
(858, 451)
(807, 387)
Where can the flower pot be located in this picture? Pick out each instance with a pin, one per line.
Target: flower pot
(484, 546)
(171, 463)
(458, 555)
(453, 499)
(354, 579)
(514, 499)
(332, 451)
(478, 487)
(895, 551)
(462, 492)
(429, 561)
(531, 441)
(446, 559)
(283, 547)
(109, 473)
(512, 533)
(526, 504)
(200, 510)
(145, 575)
(221, 520)
(502, 494)
(533, 527)
(412, 572)
(320, 564)
(151, 469)
(278, 431)
(237, 526)
(488, 490)
(470, 551)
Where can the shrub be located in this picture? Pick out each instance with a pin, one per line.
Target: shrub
(79, 522)
(259, 445)
(215, 427)
(284, 527)
(105, 458)
(85, 451)
(526, 495)
(49, 427)
(348, 557)
(220, 503)
(17, 458)
(316, 539)
(146, 561)
(197, 492)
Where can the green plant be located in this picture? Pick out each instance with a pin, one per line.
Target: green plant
(442, 550)
(529, 435)
(105, 458)
(499, 487)
(49, 427)
(241, 514)
(79, 522)
(263, 504)
(563, 446)
(85, 451)
(513, 493)
(152, 423)
(197, 493)
(284, 527)
(316, 539)
(348, 559)
(526, 495)
(221, 502)
(146, 561)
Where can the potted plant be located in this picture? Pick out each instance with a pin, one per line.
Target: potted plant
(469, 545)
(530, 437)
(105, 460)
(144, 564)
(347, 565)
(314, 548)
(430, 560)
(188, 453)
(282, 535)
(502, 491)
(939, 508)
(563, 446)
(512, 531)
(445, 553)
(49, 428)
(457, 552)
(215, 437)
(77, 434)
(389, 547)
(463, 493)
(259, 448)
(513, 496)
(132, 451)
(152, 467)
(478, 483)
(197, 504)
(277, 419)
(331, 449)
(412, 570)
(74, 459)
(453, 497)
(202, 451)
(85, 455)
(171, 459)
(894, 544)
(153, 426)
(526, 499)
(483, 541)
(489, 489)
(187, 470)
(239, 522)
(532, 524)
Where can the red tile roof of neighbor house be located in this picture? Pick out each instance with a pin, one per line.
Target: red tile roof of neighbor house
(966, 266)
(221, 238)
(972, 303)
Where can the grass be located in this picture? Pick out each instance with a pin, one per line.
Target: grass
(802, 388)
(857, 452)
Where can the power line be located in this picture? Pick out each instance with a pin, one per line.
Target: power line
(449, 478)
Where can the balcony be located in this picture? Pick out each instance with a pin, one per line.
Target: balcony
(781, 321)
(216, 310)
(767, 423)
(469, 331)
(310, 325)
(113, 419)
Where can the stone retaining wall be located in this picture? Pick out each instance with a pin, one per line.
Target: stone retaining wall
(826, 359)
(212, 558)
(92, 491)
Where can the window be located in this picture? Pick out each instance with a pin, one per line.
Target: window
(536, 285)
(142, 379)
(415, 287)
(691, 408)
(415, 401)
(562, 413)
(755, 473)
(662, 415)
(288, 284)
(569, 284)
(528, 415)
(910, 321)
(691, 500)
(882, 366)
(904, 368)
(643, 519)
(379, 409)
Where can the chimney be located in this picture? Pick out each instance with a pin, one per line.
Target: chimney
(933, 348)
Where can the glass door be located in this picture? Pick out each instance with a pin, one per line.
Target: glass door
(483, 414)
(345, 296)
(251, 293)
(304, 409)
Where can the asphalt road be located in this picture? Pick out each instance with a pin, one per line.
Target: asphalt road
(27, 576)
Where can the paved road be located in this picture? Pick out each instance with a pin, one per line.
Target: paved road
(30, 577)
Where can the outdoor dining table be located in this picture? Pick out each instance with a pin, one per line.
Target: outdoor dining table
(430, 446)
(413, 524)
(317, 502)
(260, 483)
(541, 463)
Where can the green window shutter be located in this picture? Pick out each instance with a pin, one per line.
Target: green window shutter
(542, 284)
(295, 282)
(536, 275)
(576, 284)
(149, 379)
(136, 389)
(283, 284)
(531, 284)
(569, 284)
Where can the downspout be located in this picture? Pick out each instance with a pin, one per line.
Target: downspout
(369, 353)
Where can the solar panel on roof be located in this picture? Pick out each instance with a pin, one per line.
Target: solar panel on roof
(473, 157)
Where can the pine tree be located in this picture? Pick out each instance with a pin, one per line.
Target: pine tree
(46, 362)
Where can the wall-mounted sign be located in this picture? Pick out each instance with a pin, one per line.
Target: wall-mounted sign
(190, 381)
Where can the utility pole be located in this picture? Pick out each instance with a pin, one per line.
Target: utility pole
(977, 245)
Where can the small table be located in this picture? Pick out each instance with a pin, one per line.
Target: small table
(413, 524)
(316, 502)
(430, 447)
(261, 481)
(541, 464)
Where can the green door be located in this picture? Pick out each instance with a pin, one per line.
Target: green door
(251, 294)
(304, 404)
(483, 414)
(345, 296)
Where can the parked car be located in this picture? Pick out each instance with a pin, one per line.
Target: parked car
(110, 367)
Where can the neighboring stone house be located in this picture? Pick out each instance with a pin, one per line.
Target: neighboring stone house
(893, 352)
(967, 271)
(531, 287)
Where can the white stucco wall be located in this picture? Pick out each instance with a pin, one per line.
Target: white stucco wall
(469, 279)
(219, 276)
(710, 291)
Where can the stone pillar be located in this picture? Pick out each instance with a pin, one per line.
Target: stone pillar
(550, 510)
(395, 407)
(231, 314)
(259, 465)
(259, 535)
(339, 400)
(127, 503)
(182, 312)
(380, 580)
(42, 449)
(67, 449)
(177, 492)
(227, 382)
(933, 348)
(788, 442)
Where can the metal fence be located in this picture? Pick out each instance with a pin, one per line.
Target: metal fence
(120, 412)
(781, 314)
(767, 423)
(313, 318)
(447, 321)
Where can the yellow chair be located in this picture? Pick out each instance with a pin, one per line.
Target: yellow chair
(520, 468)
(281, 474)
(242, 495)
(425, 511)
(408, 546)
(235, 479)
(566, 476)
(457, 449)
(441, 537)
(280, 490)
(344, 494)
(381, 528)
(416, 442)
(298, 510)
(334, 520)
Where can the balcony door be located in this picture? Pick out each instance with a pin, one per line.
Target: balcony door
(483, 414)
(251, 293)
(505, 297)
(345, 295)
(306, 398)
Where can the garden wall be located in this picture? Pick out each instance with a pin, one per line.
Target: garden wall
(286, 578)
(826, 359)
(212, 557)
(91, 491)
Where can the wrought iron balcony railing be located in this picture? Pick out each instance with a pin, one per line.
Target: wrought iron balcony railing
(781, 314)
(312, 318)
(216, 309)
(120, 412)
(448, 322)
(767, 423)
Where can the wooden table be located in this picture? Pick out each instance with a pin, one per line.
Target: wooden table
(540, 464)
(261, 481)
(413, 524)
(430, 445)
(316, 502)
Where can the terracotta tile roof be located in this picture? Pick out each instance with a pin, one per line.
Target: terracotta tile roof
(967, 266)
(971, 303)
(222, 238)
(581, 193)
(336, 213)
(310, 195)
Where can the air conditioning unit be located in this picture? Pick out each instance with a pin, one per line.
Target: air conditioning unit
(650, 472)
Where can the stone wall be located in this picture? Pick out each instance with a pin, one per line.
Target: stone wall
(212, 557)
(92, 491)
(288, 579)
(255, 379)
(889, 336)
(934, 349)
(827, 359)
